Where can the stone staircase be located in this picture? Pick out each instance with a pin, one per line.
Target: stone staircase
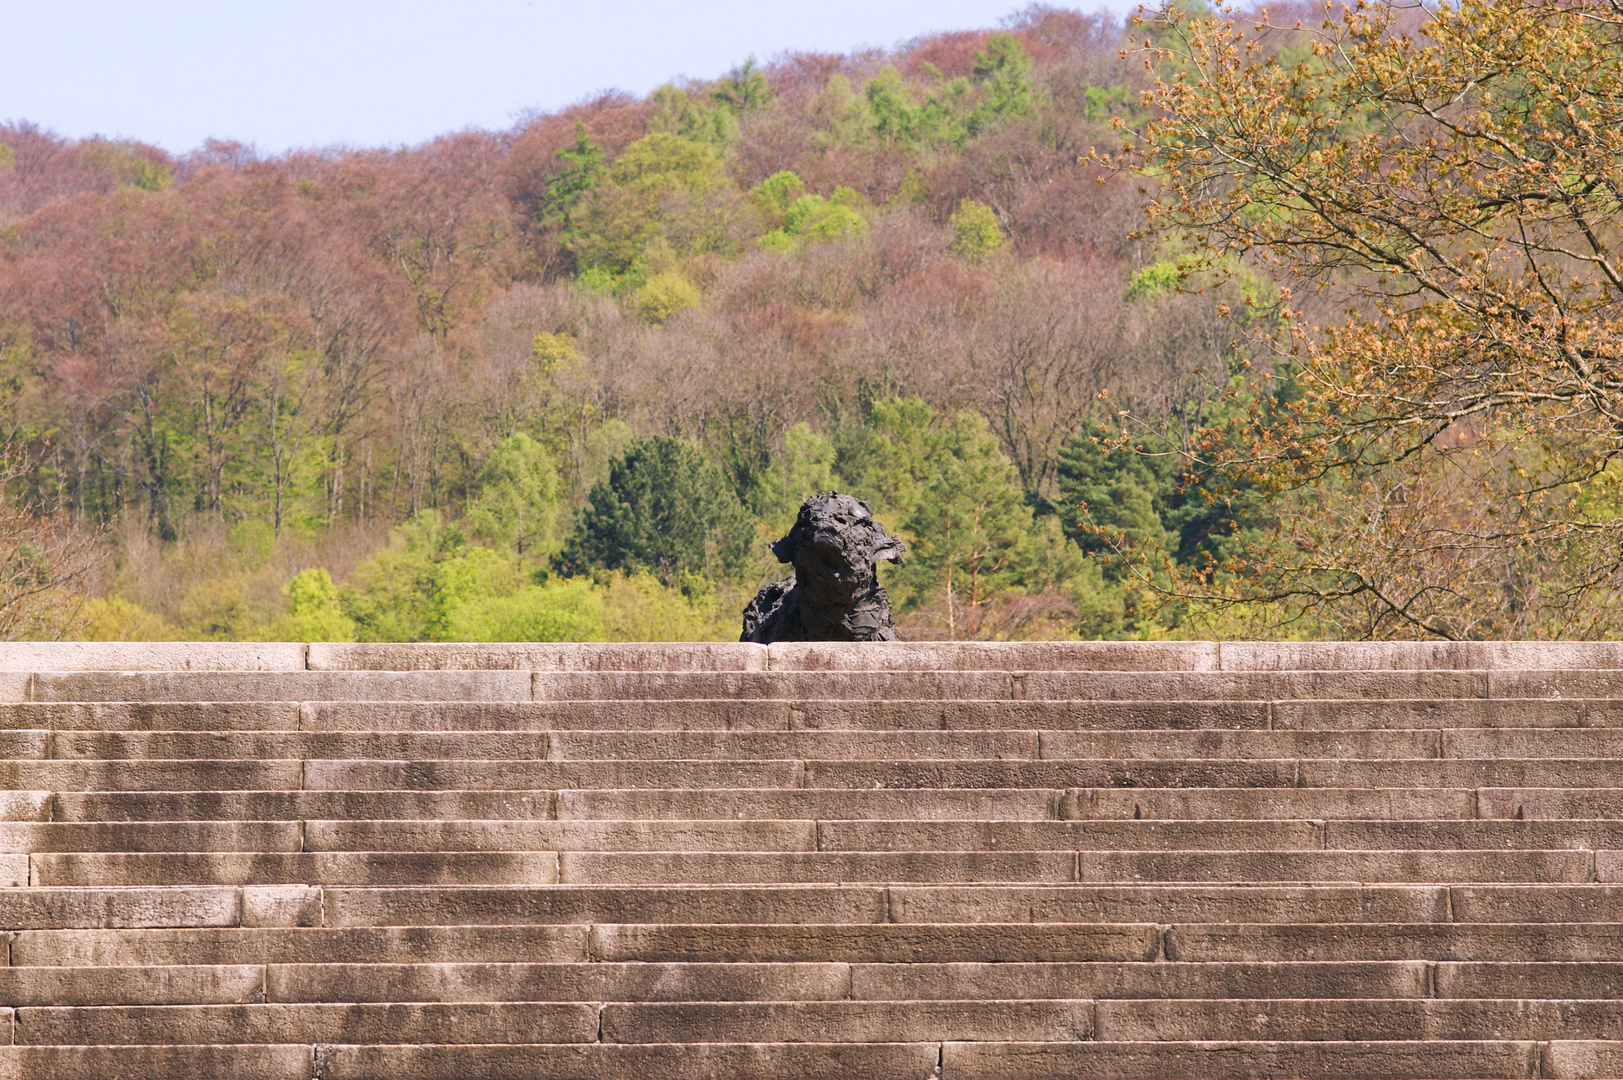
(664, 862)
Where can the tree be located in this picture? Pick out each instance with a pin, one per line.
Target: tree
(316, 612)
(622, 216)
(1002, 71)
(975, 230)
(517, 501)
(1446, 460)
(971, 531)
(663, 508)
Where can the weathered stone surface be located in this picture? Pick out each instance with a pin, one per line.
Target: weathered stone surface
(111, 908)
(587, 904)
(151, 656)
(541, 656)
(994, 656)
(356, 945)
(526, 1022)
(1577, 942)
(1360, 1060)
(819, 859)
(192, 985)
(607, 1061)
(1260, 979)
(599, 981)
(849, 1021)
(279, 686)
(1232, 804)
(282, 1062)
(293, 868)
(701, 868)
(915, 943)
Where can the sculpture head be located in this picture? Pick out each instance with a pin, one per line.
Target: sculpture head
(834, 545)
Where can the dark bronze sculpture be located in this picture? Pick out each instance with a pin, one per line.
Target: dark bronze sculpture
(834, 593)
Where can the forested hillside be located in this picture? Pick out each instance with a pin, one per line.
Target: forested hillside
(564, 381)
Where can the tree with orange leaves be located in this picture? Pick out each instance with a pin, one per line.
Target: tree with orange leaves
(1447, 460)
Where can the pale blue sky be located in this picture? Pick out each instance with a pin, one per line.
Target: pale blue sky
(294, 73)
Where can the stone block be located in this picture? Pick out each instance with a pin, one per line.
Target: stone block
(848, 943)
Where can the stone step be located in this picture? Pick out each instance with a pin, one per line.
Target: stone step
(812, 773)
(1122, 1020)
(552, 656)
(576, 867)
(606, 981)
(150, 836)
(530, 1022)
(982, 685)
(1010, 685)
(1586, 941)
(748, 745)
(297, 945)
(826, 656)
(690, 715)
(217, 984)
(612, 981)
(25, 656)
(1546, 716)
(224, 774)
(1371, 1060)
(875, 836)
(1235, 804)
(293, 868)
(817, 656)
(1520, 743)
(510, 1061)
(448, 1023)
(1477, 906)
(993, 804)
(224, 906)
(245, 686)
(1001, 804)
(1167, 979)
(599, 943)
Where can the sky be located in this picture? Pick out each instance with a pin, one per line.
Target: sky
(319, 73)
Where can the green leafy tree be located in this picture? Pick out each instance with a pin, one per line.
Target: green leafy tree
(971, 530)
(975, 230)
(805, 468)
(812, 218)
(901, 119)
(887, 458)
(582, 172)
(1110, 498)
(316, 612)
(390, 596)
(560, 610)
(665, 295)
(623, 216)
(692, 116)
(517, 501)
(666, 509)
(744, 88)
(774, 195)
(1003, 72)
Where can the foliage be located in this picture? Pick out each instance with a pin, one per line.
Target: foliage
(315, 613)
(663, 509)
(665, 295)
(560, 610)
(970, 529)
(1444, 462)
(975, 230)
